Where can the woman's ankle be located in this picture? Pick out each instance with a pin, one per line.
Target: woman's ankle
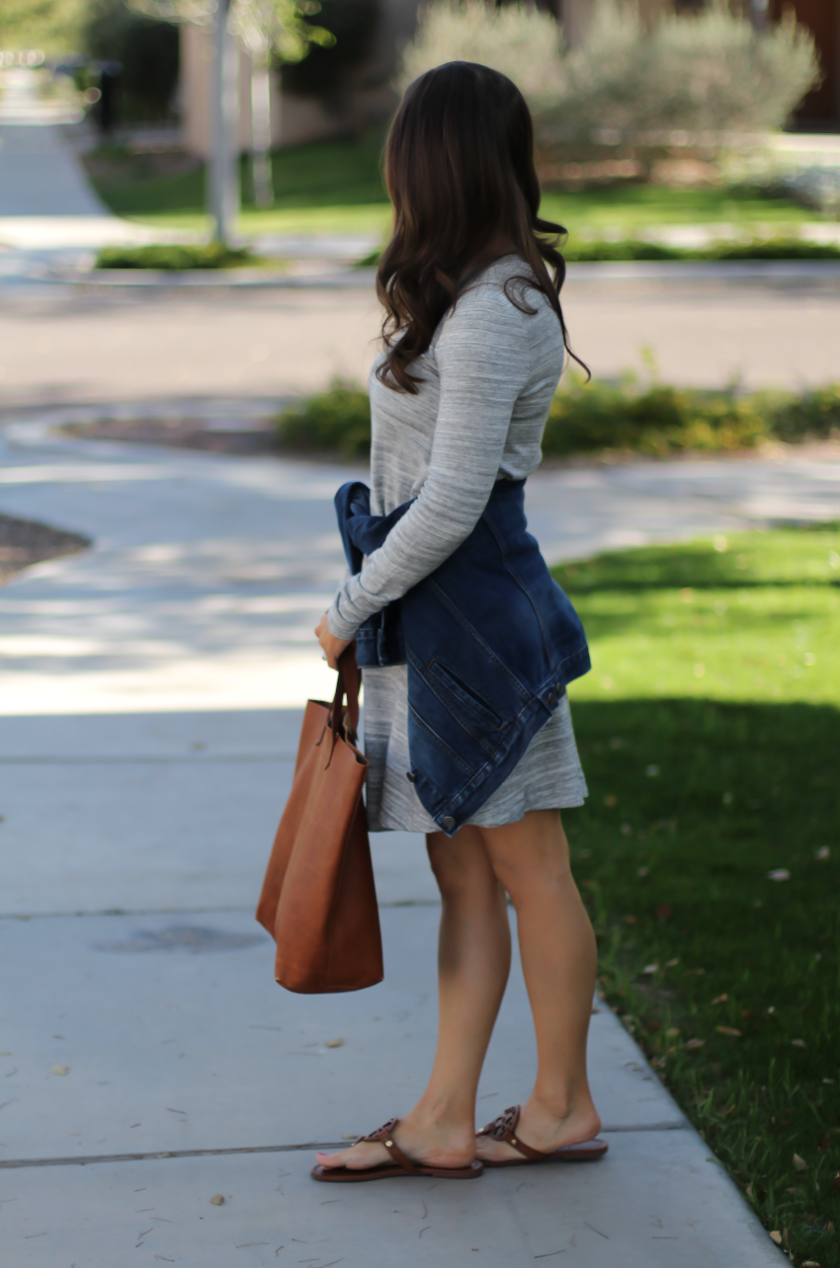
(563, 1105)
(439, 1112)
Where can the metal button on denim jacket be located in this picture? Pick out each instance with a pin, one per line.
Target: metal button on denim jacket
(490, 641)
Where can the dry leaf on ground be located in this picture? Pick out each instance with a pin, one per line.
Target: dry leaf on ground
(335, 1043)
(799, 1163)
(729, 1030)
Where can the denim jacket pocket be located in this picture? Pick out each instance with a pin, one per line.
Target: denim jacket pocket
(465, 696)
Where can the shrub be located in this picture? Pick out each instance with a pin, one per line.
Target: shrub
(599, 250)
(704, 73)
(772, 249)
(175, 257)
(659, 419)
(587, 418)
(516, 39)
(778, 248)
(336, 421)
(710, 72)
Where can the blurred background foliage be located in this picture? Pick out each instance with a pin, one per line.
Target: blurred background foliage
(55, 26)
(710, 71)
(353, 23)
(146, 48)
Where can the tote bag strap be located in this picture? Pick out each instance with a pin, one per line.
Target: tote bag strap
(349, 679)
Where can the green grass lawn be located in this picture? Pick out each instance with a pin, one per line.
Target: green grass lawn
(710, 731)
(335, 187)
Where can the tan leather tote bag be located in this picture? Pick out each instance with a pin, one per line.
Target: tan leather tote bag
(318, 899)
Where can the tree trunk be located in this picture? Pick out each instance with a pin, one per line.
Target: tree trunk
(261, 132)
(223, 186)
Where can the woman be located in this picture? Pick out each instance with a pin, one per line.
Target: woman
(474, 347)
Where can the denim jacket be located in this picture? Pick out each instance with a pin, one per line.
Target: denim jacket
(490, 641)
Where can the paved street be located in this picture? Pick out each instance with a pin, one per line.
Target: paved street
(60, 345)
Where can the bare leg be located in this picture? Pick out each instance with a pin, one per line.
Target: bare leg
(559, 960)
(473, 967)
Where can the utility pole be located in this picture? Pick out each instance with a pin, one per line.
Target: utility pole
(223, 185)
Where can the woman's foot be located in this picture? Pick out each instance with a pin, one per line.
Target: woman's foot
(433, 1144)
(544, 1130)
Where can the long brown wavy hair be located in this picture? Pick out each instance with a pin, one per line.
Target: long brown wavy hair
(459, 167)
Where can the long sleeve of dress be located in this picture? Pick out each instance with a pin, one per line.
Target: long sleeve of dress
(484, 360)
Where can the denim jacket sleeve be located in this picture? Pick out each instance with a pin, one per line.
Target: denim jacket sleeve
(484, 365)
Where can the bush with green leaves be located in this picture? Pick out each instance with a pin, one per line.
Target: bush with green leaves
(659, 419)
(704, 73)
(709, 72)
(175, 257)
(624, 250)
(517, 39)
(628, 249)
(629, 416)
(333, 422)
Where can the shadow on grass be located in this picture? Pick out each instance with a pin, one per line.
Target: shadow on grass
(730, 979)
(736, 560)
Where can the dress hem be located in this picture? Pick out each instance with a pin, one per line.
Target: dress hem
(503, 823)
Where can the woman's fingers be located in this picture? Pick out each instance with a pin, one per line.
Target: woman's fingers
(332, 646)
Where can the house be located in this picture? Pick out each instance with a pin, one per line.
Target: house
(369, 98)
(821, 108)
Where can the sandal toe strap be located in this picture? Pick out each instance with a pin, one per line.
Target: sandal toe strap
(385, 1136)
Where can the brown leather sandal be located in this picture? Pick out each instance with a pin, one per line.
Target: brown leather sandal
(402, 1165)
(504, 1128)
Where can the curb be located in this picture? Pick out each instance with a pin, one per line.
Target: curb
(216, 279)
(663, 271)
(704, 270)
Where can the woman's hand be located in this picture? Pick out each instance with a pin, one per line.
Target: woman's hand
(332, 646)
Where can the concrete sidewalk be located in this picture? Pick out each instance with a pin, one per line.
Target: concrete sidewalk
(49, 212)
(151, 694)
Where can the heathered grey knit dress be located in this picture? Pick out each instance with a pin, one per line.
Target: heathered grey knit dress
(488, 380)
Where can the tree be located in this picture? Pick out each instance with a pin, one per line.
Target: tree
(269, 29)
(52, 25)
